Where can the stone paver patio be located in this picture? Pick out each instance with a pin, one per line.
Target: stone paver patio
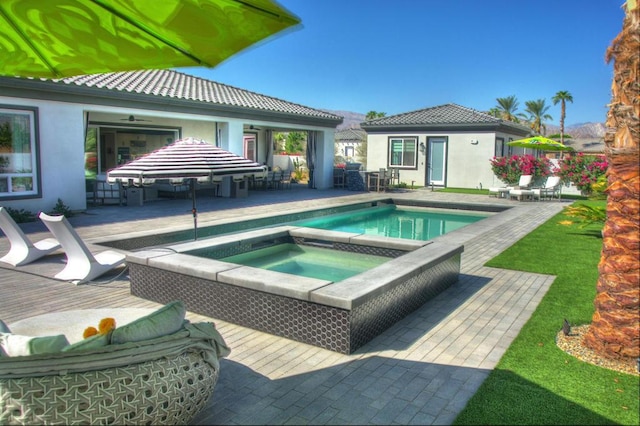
(422, 370)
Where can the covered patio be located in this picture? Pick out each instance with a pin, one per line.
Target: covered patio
(113, 118)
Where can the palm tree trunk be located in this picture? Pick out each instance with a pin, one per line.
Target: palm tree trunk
(563, 105)
(615, 326)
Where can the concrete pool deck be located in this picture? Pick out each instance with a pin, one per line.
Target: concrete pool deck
(422, 370)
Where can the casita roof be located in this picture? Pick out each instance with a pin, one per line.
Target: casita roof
(443, 117)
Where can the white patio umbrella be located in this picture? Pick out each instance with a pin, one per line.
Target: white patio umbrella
(189, 158)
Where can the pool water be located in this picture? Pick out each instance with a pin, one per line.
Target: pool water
(308, 261)
(406, 222)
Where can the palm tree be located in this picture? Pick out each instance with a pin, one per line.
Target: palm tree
(615, 326)
(537, 111)
(562, 96)
(508, 107)
(374, 114)
(494, 112)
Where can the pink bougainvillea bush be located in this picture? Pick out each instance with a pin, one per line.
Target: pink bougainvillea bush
(509, 169)
(583, 170)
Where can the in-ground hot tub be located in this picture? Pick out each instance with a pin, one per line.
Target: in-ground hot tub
(340, 316)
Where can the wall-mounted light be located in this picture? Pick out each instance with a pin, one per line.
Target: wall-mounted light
(423, 148)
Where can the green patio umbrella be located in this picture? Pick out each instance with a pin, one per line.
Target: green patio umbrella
(62, 38)
(541, 143)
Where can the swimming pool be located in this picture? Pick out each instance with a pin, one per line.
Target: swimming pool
(142, 240)
(410, 222)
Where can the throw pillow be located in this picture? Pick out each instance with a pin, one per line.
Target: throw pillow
(17, 345)
(4, 328)
(164, 321)
(93, 342)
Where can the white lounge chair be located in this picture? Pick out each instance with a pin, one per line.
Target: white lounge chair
(523, 183)
(22, 250)
(552, 186)
(82, 265)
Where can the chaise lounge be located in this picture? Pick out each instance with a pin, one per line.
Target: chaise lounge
(22, 250)
(550, 189)
(502, 192)
(82, 265)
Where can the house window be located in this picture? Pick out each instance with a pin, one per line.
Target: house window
(499, 151)
(348, 151)
(18, 148)
(403, 152)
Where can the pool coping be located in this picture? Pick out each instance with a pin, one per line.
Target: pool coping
(339, 316)
(346, 294)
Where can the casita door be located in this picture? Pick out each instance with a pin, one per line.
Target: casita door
(436, 161)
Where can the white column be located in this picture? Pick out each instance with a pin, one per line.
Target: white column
(323, 173)
(231, 136)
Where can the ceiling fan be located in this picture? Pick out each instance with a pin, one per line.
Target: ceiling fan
(133, 118)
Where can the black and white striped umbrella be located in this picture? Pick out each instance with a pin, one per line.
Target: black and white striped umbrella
(189, 158)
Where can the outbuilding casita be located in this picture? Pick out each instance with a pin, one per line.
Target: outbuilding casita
(442, 146)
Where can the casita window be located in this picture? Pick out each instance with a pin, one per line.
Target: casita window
(18, 160)
(403, 152)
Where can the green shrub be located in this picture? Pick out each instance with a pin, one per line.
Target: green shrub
(61, 209)
(21, 216)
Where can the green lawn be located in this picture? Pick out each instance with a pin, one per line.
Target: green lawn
(535, 382)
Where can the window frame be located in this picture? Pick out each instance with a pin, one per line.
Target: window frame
(405, 139)
(500, 147)
(34, 142)
(349, 151)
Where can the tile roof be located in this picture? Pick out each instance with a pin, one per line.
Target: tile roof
(448, 114)
(350, 135)
(177, 85)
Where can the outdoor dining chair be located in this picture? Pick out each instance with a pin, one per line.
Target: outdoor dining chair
(338, 177)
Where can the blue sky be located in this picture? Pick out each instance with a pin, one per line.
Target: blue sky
(403, 55)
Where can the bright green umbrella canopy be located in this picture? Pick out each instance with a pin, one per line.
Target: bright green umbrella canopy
(62, 38)
(541, 143)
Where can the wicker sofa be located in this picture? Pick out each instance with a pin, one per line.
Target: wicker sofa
(164, 380)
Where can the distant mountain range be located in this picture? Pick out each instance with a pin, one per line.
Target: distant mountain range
(581, 131)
